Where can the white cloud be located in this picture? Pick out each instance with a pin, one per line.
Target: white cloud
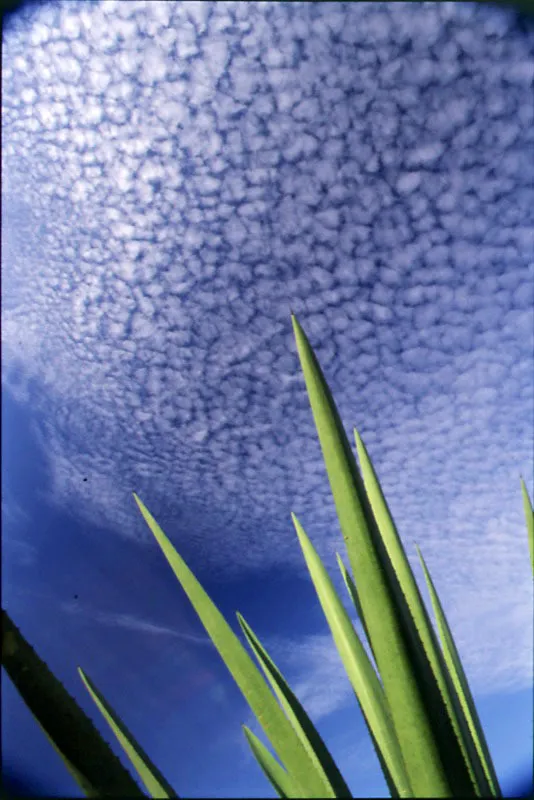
(251, 164)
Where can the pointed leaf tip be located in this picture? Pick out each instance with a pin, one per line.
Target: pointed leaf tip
(296, 325)
(529, 516)
(140, 505)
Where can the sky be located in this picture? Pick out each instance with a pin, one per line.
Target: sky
(177, 177)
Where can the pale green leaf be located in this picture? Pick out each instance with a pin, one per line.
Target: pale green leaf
(353, 594)
(256, 692)
(299, 719)
(461, 684)
(275, 773)
(529, 516)
(147, 771)
(85, 754)
(421, 628)
(433, 757)
(358, 667)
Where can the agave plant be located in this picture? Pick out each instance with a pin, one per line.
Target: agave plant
(417, 705)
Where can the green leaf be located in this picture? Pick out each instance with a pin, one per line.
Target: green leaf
(529, 514)
(385, 770)
(276, 774)
(448, 697)
(353, 594)
(432, 754)
(88, 758)
(256, 692)
(358, 667)
(147, 771)
(299, 719)
(460, 682)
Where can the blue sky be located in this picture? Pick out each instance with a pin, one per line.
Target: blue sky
(175, 178)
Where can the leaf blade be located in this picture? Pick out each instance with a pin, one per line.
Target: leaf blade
(448, 700)
(461, 683)
(358, 667)
(248, 678)
(151, 776)
(297, 716)
(529, 516)
(435, 766)
(353, 594)
(274, 772)
(87, 757)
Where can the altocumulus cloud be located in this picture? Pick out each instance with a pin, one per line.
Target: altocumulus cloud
(176, 176)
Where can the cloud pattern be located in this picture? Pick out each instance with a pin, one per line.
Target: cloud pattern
(178, 176)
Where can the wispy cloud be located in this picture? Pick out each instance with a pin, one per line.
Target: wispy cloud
(15, 541)
(117, 620)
